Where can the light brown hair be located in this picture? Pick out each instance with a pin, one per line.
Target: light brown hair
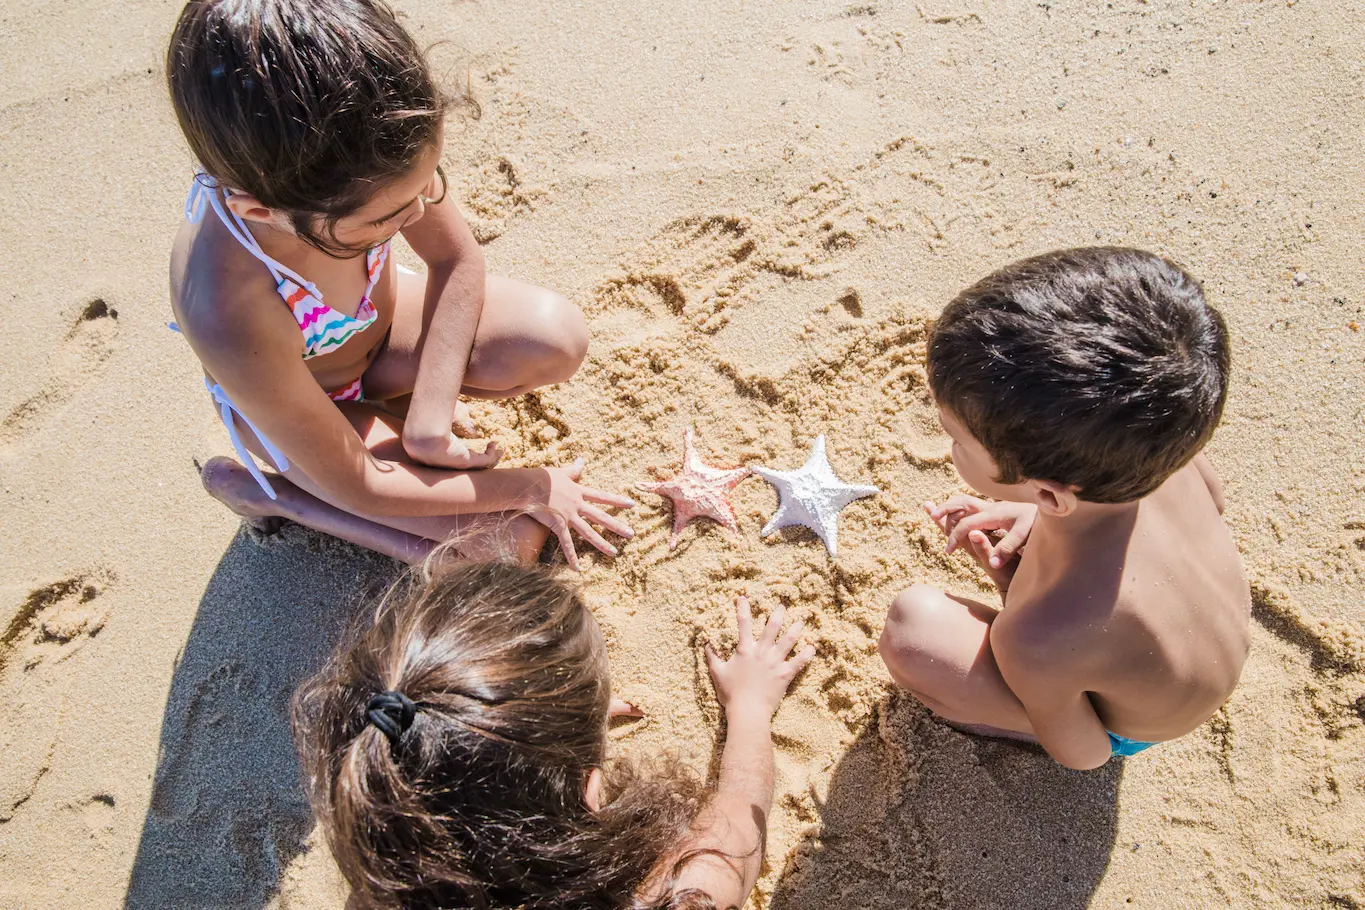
(479, 800)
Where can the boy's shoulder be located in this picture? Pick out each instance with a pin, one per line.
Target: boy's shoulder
(1052, 627)
(1178, 555)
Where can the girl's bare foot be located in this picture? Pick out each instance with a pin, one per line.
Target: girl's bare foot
(462, 421)
(480, 537)
(501, 536)
(233, 486)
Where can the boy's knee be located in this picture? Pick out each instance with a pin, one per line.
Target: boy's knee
(915, 616)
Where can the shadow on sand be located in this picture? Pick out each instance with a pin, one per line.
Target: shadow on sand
(921, 816)
(228, 811)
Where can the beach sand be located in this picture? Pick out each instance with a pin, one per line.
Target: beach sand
(760, 206)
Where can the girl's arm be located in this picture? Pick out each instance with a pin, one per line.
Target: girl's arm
(450, 318)
(255, 357)
(734, 824)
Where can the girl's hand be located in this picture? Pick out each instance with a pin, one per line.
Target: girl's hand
(449, 451)
(750, 685)
(961, 516)
(564, 506)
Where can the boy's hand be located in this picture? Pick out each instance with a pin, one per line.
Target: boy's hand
(979, 545)
(962, 515)
(449, 451)
(750, 685)
(566, 506)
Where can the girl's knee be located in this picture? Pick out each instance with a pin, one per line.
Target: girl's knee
(566, 337)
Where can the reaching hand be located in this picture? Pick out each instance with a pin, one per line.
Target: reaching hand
(967, 520)
(449, 451)
(566, 506)
(751, 684)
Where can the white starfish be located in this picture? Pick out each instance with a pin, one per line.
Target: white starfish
(812, 497)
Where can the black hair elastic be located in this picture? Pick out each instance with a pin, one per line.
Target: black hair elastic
(392, 713)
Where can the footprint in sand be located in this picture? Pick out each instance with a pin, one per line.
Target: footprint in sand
(97, 814)
(55, 621)
(78, 359)
(52, 623)
(496, 196)
(689, 270)
(1334, 647)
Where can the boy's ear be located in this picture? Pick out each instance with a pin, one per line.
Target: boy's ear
(249, 208)
(1055, 499)
(592, 793)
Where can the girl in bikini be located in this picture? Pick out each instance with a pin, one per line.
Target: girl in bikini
(318, 129)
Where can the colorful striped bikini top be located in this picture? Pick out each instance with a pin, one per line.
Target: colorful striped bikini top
(324, 329)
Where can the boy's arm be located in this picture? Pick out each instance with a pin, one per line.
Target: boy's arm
(450, 319)
(1063, 719)
(1211, 478)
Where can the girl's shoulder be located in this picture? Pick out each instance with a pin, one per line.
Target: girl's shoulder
(222, 297)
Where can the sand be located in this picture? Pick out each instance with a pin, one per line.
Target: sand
(759, 205)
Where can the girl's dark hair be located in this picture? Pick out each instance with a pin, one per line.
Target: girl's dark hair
(308, 105)
(480, 801)
(1101, 367)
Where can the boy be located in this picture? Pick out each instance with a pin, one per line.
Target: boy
(1079, 388)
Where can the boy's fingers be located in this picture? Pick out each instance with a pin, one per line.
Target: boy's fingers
(803, 657)
(575, 470)
(981, 545)
(772, 627)
(744, 623)
(1010, 543)
(966, 527)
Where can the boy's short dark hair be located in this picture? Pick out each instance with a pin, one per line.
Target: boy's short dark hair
(1099, 367)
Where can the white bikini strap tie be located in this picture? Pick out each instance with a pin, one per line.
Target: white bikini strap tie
(227, 410)
(204, 188)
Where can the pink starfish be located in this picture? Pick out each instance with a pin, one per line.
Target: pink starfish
(698, 492)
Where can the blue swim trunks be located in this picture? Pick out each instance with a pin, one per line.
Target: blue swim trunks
(1122, 745)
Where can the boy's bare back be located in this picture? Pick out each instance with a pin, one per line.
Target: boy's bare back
(1146, 611)
(1080, 388)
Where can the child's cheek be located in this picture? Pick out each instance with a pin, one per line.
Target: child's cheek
(958, 461)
